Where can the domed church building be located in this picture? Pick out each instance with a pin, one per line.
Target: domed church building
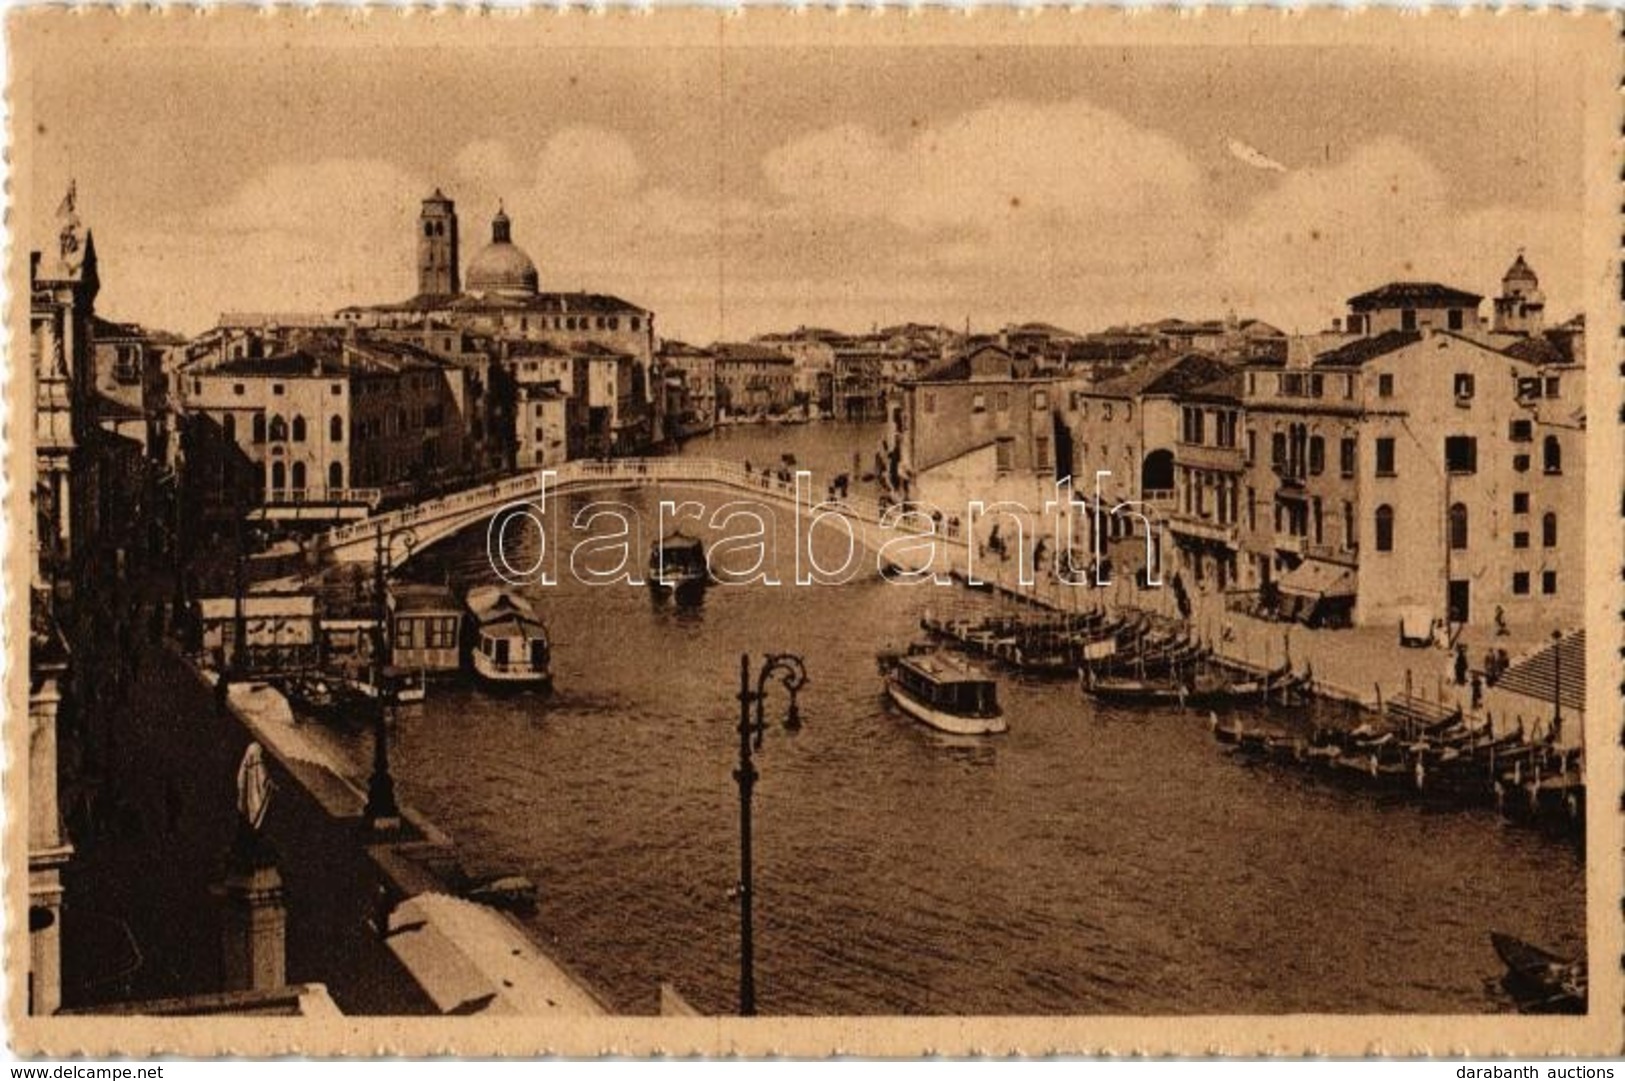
(502, 268)
(591, 350)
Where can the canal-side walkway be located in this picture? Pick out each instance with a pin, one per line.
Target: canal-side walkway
(1366, 666)
(144, 918)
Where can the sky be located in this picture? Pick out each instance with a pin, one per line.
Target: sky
(736, 190)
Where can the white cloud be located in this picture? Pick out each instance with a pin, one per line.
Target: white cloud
(307, 237)
(588, 161)
(1064, 212)
(1006, 162)
(1384, 213)
(486, 163)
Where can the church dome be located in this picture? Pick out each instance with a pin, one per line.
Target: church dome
(502, 267)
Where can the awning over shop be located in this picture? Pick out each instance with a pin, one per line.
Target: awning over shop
(1317, 580)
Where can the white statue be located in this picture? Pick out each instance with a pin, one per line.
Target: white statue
(253, 787)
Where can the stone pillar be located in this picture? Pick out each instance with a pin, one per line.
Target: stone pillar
(48, 851)
(254, 938)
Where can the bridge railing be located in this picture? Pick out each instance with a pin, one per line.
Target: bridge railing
(587, 473)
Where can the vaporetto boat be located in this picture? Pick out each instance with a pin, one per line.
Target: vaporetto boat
(945, 691)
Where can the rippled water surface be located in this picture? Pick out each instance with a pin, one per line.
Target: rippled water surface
(1086, 862)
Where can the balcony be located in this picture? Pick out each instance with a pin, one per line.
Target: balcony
(1203, 529)
(1291, 543)
(287, 497)
(1203, 456)
(1162, 498)
(1289, 481)
(1331, 553)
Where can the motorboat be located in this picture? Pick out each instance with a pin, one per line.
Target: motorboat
(509, 644)
(678, 567)
(945, 691)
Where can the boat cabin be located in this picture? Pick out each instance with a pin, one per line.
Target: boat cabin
(949, 685)
(279, 629)
(679, 556)
(510, 640)
(424, 621)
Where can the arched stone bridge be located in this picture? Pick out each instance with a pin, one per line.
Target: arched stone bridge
(436, 519)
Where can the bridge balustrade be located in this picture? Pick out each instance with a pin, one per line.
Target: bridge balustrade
(491, 497)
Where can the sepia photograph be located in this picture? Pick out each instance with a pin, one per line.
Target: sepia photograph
(1068, 531)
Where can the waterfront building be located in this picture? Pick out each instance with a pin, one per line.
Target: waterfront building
(499, 297)
(695, 371)
(859, 385)
(489, 410)
(1343, 500)
(323, 422)
(753, 380)
(279, 630)
(978, 426)
(1209, 472)
(543, 377)
(1121, 437)
(542, 426)
(813, 349)
(132, 366)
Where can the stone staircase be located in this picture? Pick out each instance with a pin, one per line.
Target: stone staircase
(1561, 665)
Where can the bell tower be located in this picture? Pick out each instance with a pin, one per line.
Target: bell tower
(437, 246)
(1521, 307)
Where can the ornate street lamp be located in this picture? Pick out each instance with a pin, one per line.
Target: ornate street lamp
(381, 812)
(792, 675)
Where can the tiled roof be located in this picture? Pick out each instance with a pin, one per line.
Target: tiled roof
(958, 368)
(594, 349)
(1164, 375)
(1049, 330)
(1226, 388)
(321, 357)
(1550, 348)
(1414, 294)
(534, 349)
(105, 329)
(802, 334)
(300, 362)
(671, 347)
(550, 303)
(109, 408)
(1360, 350)
(749, 351)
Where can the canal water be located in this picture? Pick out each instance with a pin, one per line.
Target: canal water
(1088, 861)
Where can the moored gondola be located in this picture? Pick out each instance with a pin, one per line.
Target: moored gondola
(1540, 981)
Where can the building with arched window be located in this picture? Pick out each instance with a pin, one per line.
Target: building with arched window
(498, 295)
(1444, 446)
(388, 415)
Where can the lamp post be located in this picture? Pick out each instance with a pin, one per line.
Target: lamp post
(1557, 685)
(792, 674)
(381, 812)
